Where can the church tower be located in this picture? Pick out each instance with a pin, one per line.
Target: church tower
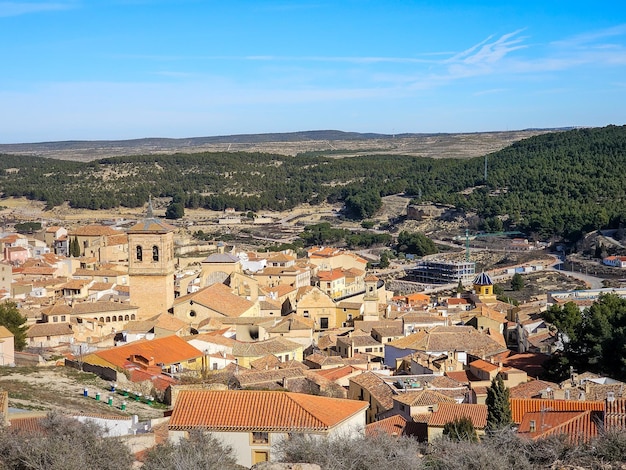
(151, 265)
(483, 286)
(370, 299)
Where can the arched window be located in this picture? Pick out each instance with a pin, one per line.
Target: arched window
(108, 319)
(101, 319)
(155, 253)
(139, 253)
(132, 317)
(114, 318)
(126, 317)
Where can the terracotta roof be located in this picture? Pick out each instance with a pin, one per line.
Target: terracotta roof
(38, 271)
(121, 239)
(83, 308)
(32, 424)
(531, 389)
(93, 231)
(49, 329)
(483, 365)
(247, 410)
(271, 378)
(292, 323)
(215, 337)
(450, 338)
(280, 290)
(395, 425)
(97, 272)
(337, 373)
(521, 406)
(423, 398)
(580, 426)
(219, 298)
(376, 387)
(331, 275)
(167, 350)
(448, 412)
(531, 363)
(265, 363)
(169, 322)
(76, 284)
(276, 345)
(101, 286)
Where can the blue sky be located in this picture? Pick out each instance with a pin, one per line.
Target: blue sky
(122, 69)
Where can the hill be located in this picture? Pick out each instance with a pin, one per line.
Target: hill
(292, 143)
(559, 183)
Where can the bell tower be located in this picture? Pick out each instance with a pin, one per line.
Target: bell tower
(151, 265)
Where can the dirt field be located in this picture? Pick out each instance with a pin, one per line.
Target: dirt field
(61, 389)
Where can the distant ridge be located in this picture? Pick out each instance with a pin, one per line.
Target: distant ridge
(287, 143)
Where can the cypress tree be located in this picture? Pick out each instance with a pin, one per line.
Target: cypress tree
(498, 405)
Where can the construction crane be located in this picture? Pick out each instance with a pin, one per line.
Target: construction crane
(481, 235)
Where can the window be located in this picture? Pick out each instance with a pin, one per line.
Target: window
(55, 319)
(155, 253)
(47, 338)
(192, 313)
(260, 438)
(402, 408)
(305, 314)
(533, 426)
(260, 456)
(324, 323)
(368, 350)
(62, 317)
(139, 253)
(215, 366)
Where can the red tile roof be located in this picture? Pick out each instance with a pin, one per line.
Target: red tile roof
(167, 350)
(521, 406)
(580, 426)
(448, 412)
(243, 410)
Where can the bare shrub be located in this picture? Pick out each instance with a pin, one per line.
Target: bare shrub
(62, 443)
(341, 453)
(201, 451)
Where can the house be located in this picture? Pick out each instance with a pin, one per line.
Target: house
(615, 261)
(171, 354)
(413, 403)
(294, 328)
(521, 406)
(460, 342)
(282, 348)
(93, 239)
(448, 412)
(326, 259)
(348, 346)
(216, 300)
(7, 347)
(312, 303)
(371, 388)
(252, 422)
(49, 335)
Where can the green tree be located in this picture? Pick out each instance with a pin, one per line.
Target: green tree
(459, 287)
(384, 260)
(75, 248)
(517, 282)
(15, 322)
(175, 210)
(498, 405)
(461, 429)
(415, 243)
(567, 320)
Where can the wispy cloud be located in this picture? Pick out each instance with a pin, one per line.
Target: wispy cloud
(23, 8)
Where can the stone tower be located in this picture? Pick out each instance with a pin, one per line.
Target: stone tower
(151, 265)
(370, 299)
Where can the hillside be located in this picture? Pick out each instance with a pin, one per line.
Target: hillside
(559, 183)
(292, 143)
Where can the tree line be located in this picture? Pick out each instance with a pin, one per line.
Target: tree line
(562, 183)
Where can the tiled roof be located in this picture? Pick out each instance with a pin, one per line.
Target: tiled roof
(221, 258)
(483, 279)
(83, 308)
(76, 284)
(483, 365)
(39, 271)
(521, 406)
(49, 329)
(97, 272)
(450, 338)
(276, 345)
(395, 425)
(93, 231)
(29, 425)
(218, 297)
(531, 389)
(423, 398)
(215, 337)
(531, 363)
(376, 387)
(101, 286)
(337, 373)
(5, 333)
(121, 239)
(167, 350)
(271, 378)
(580, 426)
(248, 410)
(292, 323)
(170, 323)
(265, 363)
(151, 225)
(359, 341)
(331, 275)
(448, 412)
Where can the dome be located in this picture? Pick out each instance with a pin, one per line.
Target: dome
(483, 279)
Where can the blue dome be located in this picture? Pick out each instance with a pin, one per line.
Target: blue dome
(483, 279)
